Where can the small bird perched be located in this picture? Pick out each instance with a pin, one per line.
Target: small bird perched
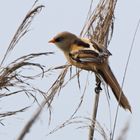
(88, 55)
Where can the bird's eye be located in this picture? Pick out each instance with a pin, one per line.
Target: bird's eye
(58, 39)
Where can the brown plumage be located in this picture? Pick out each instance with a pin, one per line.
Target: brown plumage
(88, 56)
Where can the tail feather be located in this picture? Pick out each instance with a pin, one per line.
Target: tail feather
(110, 79)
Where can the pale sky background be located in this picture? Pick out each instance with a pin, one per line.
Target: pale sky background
(70, 15)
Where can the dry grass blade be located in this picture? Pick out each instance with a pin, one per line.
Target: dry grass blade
(73, 76)
(58, 84)
(126, 67)
(10, 76)
(12, 93)
(99, 25)
(31, 122)
(23, 29)
(102, 131)
(96, 125)
(10, 113)
(13, 78)
(85, 122)
(55, 88)
(32, 55)
(72, 117)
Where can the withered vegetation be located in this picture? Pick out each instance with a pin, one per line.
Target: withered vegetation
(11, 75)
(98, 27)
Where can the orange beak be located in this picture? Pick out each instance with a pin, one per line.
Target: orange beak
(52, 41)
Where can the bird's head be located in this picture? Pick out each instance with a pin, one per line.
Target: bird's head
(63, 41)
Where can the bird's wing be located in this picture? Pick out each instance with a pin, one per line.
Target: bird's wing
(90, 56)
(100, 48)
(92, 45)
(83, 50)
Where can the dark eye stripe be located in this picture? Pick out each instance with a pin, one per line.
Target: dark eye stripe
(58, 39)
(81, 43)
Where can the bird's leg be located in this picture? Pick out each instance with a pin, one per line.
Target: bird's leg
(98, 85)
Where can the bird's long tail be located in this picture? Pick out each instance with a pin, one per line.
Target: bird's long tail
(110, 79)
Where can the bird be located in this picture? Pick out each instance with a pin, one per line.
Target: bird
(87, 54)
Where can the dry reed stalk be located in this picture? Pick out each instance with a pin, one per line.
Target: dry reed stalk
(94, 115)
(99, 28)
(55, 88)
